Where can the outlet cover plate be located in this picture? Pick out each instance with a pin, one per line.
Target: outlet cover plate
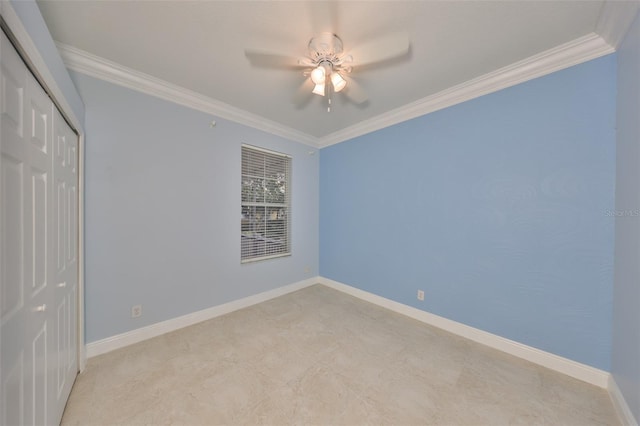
(136, 311)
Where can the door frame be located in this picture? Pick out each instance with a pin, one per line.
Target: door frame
(36, 63)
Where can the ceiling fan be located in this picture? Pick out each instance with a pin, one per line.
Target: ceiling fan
(327, 65)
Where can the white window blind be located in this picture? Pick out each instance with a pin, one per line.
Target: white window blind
(266, 211)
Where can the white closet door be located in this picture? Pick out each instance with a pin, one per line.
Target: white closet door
(26, 174)
(15, 358)
(28, 254)
(65, 218)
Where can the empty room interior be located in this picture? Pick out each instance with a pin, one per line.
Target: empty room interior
(329, 212)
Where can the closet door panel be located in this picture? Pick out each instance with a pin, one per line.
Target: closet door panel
(65, 218)
(16, 359)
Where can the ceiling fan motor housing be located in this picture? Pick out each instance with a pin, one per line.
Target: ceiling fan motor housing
(325, 44)
(325, 47)
(325, 51)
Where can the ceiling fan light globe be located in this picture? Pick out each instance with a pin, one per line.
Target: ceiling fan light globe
(338, 82)
(318, 75)
(319, 89)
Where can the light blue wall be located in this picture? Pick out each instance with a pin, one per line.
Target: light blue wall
(497, 208)
(163, 210)
(625, 364)
(32, 20)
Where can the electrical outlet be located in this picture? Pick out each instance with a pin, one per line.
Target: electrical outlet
(307, 269)
(420, 294)
(136, 311)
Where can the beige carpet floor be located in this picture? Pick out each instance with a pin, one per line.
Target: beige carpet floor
(320, 357)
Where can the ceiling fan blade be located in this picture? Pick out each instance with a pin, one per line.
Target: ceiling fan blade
(381, 49)
(354, 91)
(303, 95)
(263, 59)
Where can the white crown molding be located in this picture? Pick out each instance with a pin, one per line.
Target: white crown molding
(580, 50)
(118, 341)
(560, 364)
(620, 404)
(615, 19)
(95, 66)
(583, 49)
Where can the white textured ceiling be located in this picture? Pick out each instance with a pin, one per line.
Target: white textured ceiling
(200, 46)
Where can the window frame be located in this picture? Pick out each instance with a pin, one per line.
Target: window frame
(281, 230)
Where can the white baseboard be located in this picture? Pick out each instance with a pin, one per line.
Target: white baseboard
(566, 366)
(134, 336)
(563, 365)
(620, 404)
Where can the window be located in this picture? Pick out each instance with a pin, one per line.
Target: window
(266, 213)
